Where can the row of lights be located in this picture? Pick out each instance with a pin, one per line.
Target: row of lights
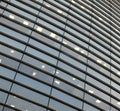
(100, 62)
(75, 2)
(13, 106)
(34, 73)
(78, 49)
(98, 101)
(59, 11)
(24, 22)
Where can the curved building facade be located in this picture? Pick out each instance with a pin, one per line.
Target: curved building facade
(59, 55)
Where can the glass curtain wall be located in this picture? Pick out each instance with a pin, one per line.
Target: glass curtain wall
(59, 55)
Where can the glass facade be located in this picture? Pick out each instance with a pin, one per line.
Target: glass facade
(59, 55)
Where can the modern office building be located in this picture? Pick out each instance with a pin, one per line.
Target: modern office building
(59, 55)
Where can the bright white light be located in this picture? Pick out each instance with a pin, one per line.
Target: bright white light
(12, 105)
(47, 5)
(11, 16)
(12, 51)
(72, 1)
(26, 23)
(99, 61)
(98, 101)
(82, 7)
(91, 91)
(34, 73)
(105, 64)
(100, 18)
(53, 35)
(43, 66)
(118, 73)
(77, 48)
(118, 103)
(60, 11)
(0, 60)
(39, 29)
(57, 72)
(82, 51)
(73, 78)
(57, 82)
(64, 42)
